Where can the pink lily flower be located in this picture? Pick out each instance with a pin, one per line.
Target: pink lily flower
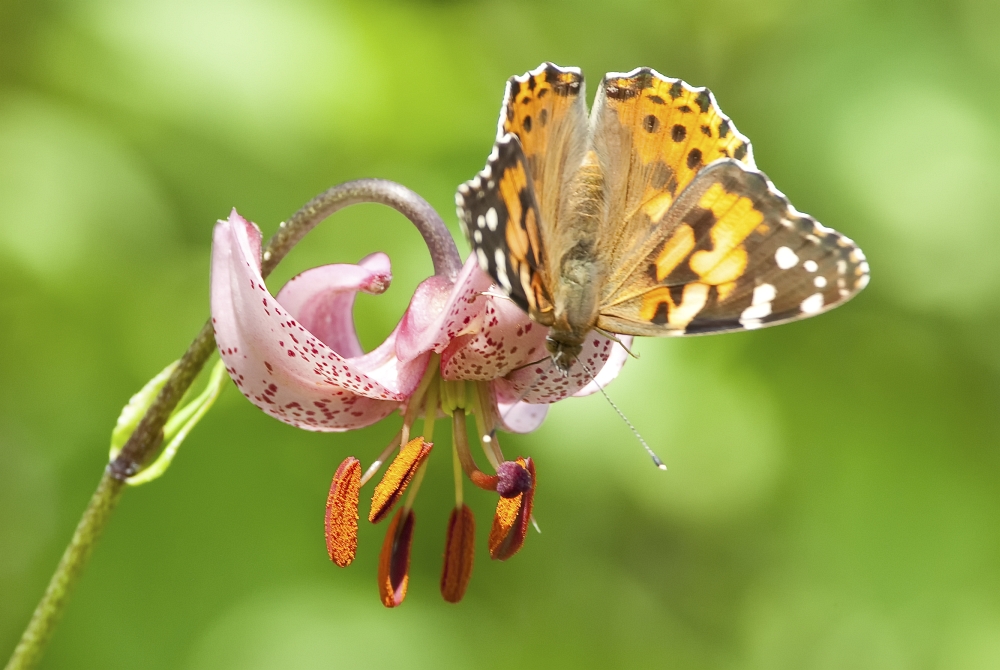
(461, 349)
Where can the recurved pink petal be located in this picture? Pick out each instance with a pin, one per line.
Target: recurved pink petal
(322, 299)
(441, 310)
(507, 339)
(276, 362)
(544, 383)
(611, 369)
(521, 417)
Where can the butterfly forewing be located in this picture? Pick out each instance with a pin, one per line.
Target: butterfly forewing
(499, 215)
(652, 135)
(734, 255)
(546, 111)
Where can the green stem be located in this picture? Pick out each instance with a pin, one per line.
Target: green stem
(47, 614)
(148, 434)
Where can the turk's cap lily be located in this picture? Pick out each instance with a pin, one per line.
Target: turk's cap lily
(461, 351)
(297, 356)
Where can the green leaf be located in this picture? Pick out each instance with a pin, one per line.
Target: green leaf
(180, 424)
(137, 406)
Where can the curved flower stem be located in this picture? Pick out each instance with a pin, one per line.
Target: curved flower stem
(148, 434)
(444, 253)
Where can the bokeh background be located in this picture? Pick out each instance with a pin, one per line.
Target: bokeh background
(832, 499)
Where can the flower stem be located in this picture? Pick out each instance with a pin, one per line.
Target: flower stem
(444, 253)
(148, 434)
(43, 621)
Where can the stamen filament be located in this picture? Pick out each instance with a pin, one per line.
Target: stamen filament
(461, 441)
(382, 458)
(417, 399)
(430, 410)
(456, 467)
(486, 433)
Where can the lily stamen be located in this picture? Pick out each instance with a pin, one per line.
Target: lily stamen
(382, 458)
(461, 438)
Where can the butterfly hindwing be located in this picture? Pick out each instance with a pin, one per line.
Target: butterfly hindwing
(499, 215)
(733, 254)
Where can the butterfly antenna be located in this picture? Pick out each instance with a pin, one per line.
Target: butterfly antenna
(652, 454)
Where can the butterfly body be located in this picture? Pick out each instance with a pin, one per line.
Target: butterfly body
(649, 219)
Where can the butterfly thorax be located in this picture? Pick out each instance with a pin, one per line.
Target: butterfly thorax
(580, 276)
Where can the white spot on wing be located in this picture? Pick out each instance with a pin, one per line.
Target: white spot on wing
(501, 263)
(481, 221)
(785, 258)
(760, 306)
(810, 265)
(820, 282)
(763, 293)
(812, 304)
(478, 236)
(491, 218)
(484, 264)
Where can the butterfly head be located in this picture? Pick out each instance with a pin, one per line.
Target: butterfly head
(564, 353)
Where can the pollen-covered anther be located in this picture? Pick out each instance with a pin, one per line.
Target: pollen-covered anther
(459, 553)
(510, 523)
(342, 513)
(513, 479)
(394, 561)
(397, 477)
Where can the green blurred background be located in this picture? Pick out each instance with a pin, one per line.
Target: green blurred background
(832, 498)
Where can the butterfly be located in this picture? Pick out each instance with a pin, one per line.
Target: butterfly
(647, 218)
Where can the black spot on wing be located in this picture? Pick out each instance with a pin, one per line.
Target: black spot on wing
(662, 314)
(694, 158)
(704, 100)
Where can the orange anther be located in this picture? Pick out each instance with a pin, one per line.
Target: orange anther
(459, 552)
(342, 513)
(510, 523)
(397, 477)
(394, 561)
